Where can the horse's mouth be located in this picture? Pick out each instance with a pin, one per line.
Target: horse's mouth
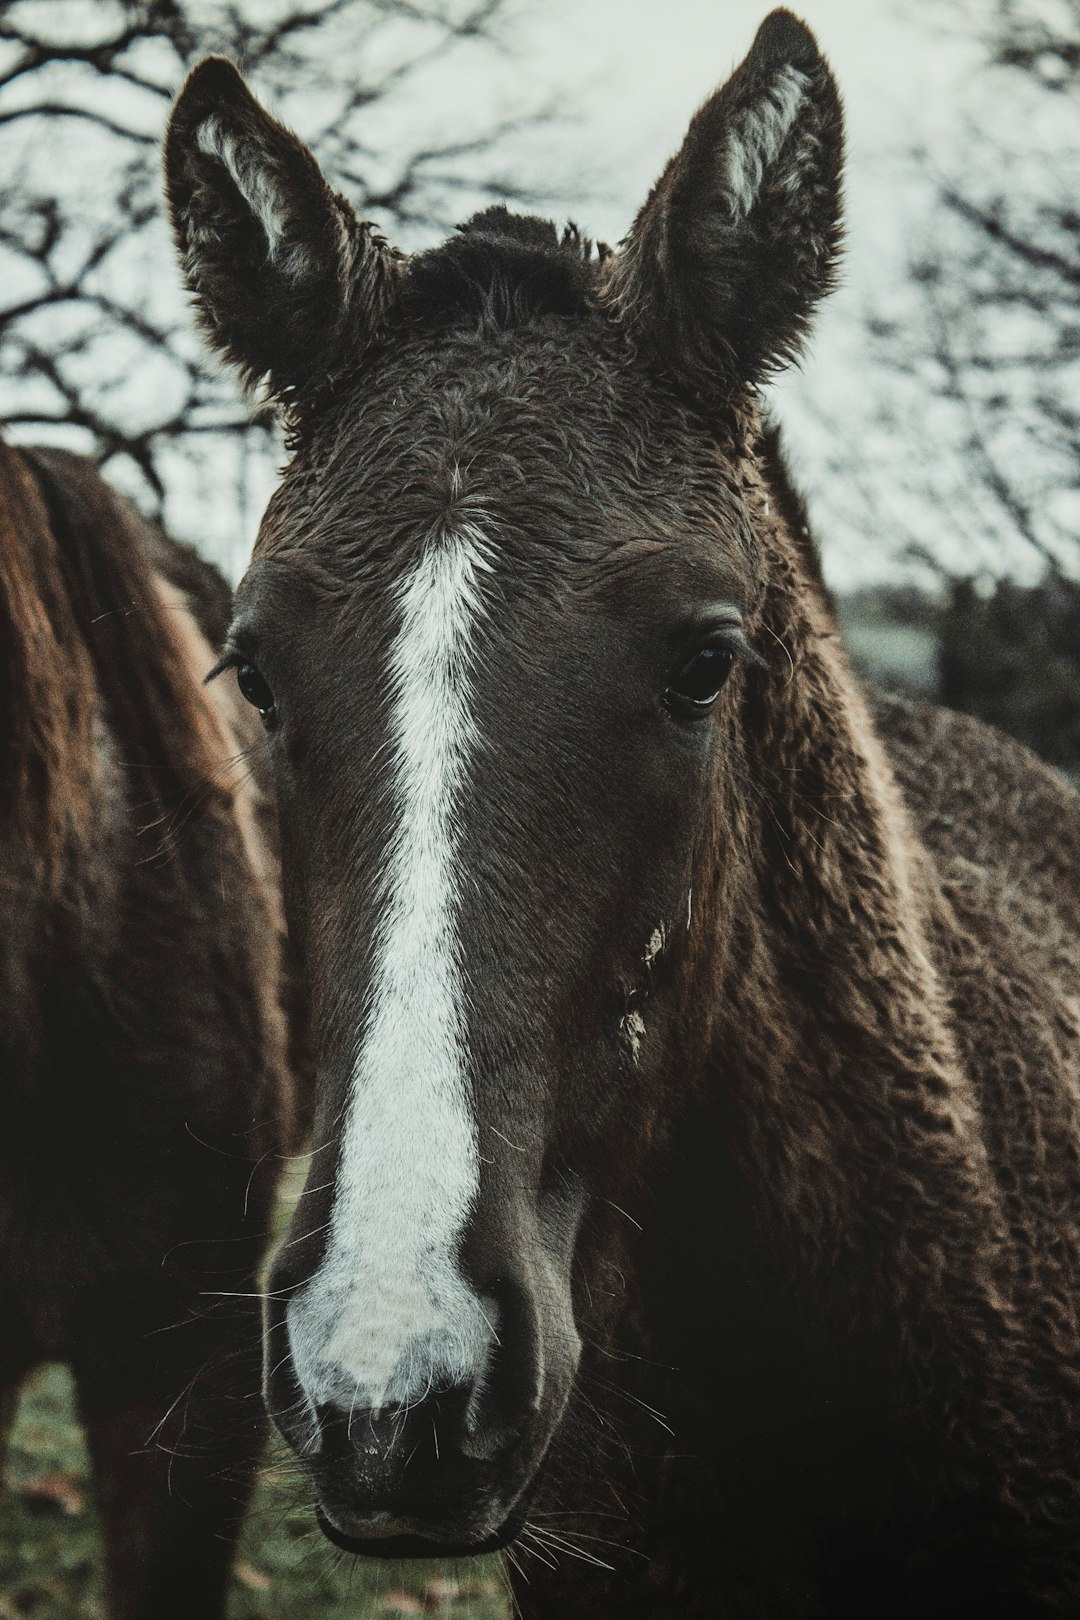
(416, 1546)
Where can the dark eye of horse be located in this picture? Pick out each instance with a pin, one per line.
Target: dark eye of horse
(697, 685)
(253, 686)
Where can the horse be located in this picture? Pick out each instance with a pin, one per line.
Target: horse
(150, 1031)
(695, 1209)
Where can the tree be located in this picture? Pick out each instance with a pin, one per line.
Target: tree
(996, 278)
(97, 349)
(967, 462)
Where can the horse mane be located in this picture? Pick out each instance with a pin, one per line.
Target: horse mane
(86, 641)
(499, 271)
(47, 698)
(791, 504)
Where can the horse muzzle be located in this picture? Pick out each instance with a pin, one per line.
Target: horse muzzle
(449, 1472)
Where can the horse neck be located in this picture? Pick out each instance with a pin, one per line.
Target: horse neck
(107, 721)
(49, 699)
(830, 1157)
(827, 1046)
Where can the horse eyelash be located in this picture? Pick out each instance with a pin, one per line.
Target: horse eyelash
(749, 654)
(735, 642)
(231, 660)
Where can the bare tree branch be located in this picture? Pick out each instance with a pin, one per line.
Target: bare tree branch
(96, 343)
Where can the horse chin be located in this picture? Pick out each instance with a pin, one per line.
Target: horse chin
(407, 1546)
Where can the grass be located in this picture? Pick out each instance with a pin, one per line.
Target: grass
(50, 1549)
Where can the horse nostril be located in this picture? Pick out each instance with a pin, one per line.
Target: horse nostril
(507, 1392)
(359, 1430)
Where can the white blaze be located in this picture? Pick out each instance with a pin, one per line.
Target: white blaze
(388, 1311)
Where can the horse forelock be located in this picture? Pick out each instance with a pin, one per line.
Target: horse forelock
(499, 271)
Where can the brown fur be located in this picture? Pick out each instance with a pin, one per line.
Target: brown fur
(47, 687)
(146, 1092)
(789, 1283)
(876, 1410)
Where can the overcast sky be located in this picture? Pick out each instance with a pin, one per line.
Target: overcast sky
(909, 73)
(629, 74)
(641, 67)
(912, 73)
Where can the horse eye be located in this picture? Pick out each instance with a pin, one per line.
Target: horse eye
(697, 685)
(253, 687)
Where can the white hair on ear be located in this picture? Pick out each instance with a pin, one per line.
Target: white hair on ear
(255, 180)
(758, 135)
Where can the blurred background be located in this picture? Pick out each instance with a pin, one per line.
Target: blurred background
(934, 426)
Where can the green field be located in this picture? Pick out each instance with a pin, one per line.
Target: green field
(50, 1553)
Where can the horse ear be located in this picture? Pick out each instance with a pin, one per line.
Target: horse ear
(289, 284)
(740, 236)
